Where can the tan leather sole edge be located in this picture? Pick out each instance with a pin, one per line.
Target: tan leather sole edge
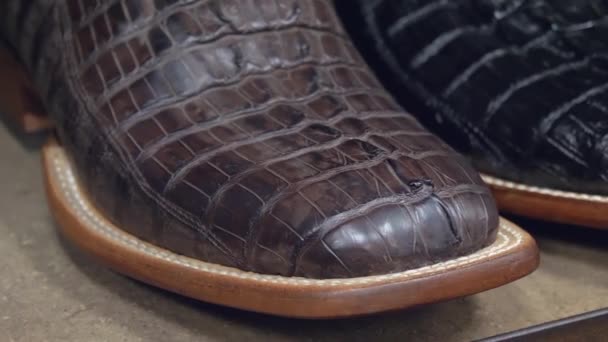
(513, 255)
(549, 204)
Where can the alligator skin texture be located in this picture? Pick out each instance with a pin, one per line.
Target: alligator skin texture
(248, 134)
(519, 86)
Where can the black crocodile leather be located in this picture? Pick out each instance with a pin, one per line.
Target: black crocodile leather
(520, 86)
(248, 134)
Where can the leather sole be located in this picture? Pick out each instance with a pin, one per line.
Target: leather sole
(549, 204)
(512, 256)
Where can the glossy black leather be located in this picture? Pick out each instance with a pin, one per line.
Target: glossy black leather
(519, 86)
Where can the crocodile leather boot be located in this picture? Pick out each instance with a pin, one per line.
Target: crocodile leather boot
(241, 152)
(519, 86)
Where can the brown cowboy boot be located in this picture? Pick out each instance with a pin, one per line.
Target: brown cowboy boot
(240, 152)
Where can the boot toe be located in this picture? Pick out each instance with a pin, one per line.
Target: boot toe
(401, 236)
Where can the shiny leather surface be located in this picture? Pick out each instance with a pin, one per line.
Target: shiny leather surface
(520, 86)
(248, 134)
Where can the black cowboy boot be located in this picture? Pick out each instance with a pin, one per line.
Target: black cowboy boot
(519, 86)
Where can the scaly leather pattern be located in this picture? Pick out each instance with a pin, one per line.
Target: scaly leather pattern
(521, 86)
(248, 134)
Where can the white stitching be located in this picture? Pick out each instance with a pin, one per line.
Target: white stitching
(543, 191)
(63, 174)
